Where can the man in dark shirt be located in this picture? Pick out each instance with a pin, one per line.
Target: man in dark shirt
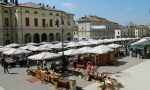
(5, 65)
(2, 61)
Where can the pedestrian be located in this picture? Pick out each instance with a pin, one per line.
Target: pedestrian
(5, 65)
(2, 61)
(28, 64)
(38, 64)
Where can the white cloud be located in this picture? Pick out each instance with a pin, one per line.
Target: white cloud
(68, 5)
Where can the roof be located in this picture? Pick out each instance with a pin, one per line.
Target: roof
(35, 5)
(94, 19)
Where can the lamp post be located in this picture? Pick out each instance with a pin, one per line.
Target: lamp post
(62, 39)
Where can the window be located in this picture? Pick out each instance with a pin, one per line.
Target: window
(7, 34)
(57, 14)
(26, 11)
(27, 21)
(6, 20)
(43, 23)
(35, 12)
(50, 13)
(5, 11)
(68, 23)
(35, 22)
(62, 22)
(51, 22)
(57, 23)
(44, 14)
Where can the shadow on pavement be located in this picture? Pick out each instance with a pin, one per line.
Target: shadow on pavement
(119, 63)
(13, 73)
(79, 88)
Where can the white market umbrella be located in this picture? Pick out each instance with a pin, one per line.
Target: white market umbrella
(85, 49)
(12, 45)
(35, 48)
(57, 46)
(48, 45)
(43, 43)
(31, 43)
(16, 51)
(43, 56)
(5, 49)
(113, 45)
(74, 44)
(140, 41)
(85, 42)
(102, 49)
(29, 47)
(71, 52)
(93, 41)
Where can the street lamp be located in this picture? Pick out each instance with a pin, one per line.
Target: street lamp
(62, 39)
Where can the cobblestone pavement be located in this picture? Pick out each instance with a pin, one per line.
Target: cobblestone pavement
(17, 79)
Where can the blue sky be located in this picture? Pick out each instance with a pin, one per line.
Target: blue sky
(121, 11)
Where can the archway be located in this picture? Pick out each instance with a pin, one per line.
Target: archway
(44, 37)
(68, 36)
(58, 37)
(51, 37)
(36, 38)
(27, 38)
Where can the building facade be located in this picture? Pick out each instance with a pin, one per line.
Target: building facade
(95, 28)
(31, 22)
(138, 31)
(121, 32)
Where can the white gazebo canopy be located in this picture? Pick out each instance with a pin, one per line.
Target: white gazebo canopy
(74, 44)
(12, 45)
(102, 49)
(48, 45)
(31, 43)
(16, 51)
(5, 49)
(28, 47)
(85, 49)
(56, 46)
(43, 56)
(85, 42)
(113, 45)
(71, 52)
(140, 41)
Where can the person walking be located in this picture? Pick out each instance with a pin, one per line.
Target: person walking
(5, 64)
(2, 61)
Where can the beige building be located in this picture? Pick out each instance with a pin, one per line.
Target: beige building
(95, 28)
(31, 22)
(138, 31)
(121, 32)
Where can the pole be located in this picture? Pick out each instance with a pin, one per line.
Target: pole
(62, 39)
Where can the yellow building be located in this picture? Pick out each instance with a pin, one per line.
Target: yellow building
(94, 27)
(31, 22)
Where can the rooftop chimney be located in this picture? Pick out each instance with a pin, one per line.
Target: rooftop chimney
(53, 7)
